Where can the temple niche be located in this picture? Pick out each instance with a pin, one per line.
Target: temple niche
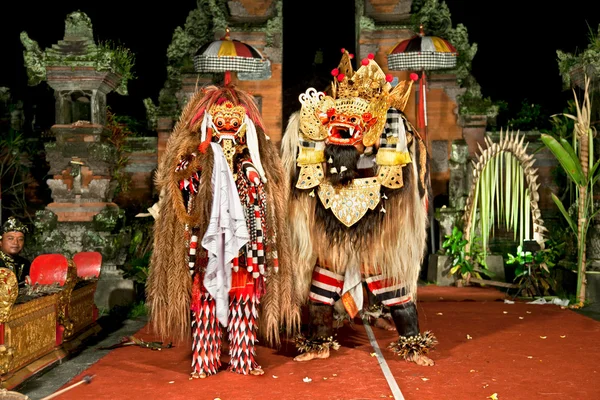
(82, 215)
(74, 106)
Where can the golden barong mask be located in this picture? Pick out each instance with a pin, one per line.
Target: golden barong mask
(347, 121)
(356, 109)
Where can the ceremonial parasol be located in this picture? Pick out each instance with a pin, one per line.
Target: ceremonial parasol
(226, 55)
(421, 53)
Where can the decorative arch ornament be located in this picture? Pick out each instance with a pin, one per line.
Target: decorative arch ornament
(506, 159)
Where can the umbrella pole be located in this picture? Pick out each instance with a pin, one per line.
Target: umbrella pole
(423, 123)
(424, 105)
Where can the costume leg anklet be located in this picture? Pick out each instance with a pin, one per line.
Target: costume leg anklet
(318, 344)
(410, 346)
(411, 343)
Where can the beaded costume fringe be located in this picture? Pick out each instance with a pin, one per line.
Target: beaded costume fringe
(318, 344)
(408, 347)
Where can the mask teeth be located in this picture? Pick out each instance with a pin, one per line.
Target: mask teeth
(333, 170)
(330, 161)
(343, 168)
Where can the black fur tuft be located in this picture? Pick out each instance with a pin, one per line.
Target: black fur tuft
(341, 156)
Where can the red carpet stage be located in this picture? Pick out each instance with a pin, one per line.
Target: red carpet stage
(486, 348)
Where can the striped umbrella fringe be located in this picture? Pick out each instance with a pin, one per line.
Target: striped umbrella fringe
(227, 63)
(228, 55)
(420, 61)
(228, 47)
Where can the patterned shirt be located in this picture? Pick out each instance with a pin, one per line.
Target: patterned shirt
(17, 264)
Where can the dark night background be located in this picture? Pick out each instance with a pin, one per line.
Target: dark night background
(516, 58)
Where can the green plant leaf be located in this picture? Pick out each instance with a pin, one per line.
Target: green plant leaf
(567, 146)
(564, 212)
(569, 163)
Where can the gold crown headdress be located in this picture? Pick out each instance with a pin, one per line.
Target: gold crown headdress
(368, 90)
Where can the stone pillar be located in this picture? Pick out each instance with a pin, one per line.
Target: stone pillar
(474, 128)
(460, 175)
(82, 214)
(458, 188)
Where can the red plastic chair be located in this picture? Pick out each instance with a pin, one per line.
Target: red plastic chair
(88, 264)
(47, 269)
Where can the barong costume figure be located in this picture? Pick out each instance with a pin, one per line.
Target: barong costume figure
(358, 208)
(220, 241)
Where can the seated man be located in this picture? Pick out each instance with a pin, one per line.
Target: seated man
(12, 240)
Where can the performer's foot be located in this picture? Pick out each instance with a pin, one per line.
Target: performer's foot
(383, 323)
(257, 371)
(313, 354)
(197, 375)
(421, 360)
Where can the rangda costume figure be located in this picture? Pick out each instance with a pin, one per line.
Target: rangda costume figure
(358, 211)
(220, 242)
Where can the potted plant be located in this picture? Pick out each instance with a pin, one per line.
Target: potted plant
(463, 263)
(573, 68)
(534, 272)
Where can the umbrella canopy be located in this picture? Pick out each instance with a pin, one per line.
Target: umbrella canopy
(422, 53)
(226, 55)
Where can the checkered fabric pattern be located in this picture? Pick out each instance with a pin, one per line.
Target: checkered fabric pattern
(305, 143)
(392, 126)
(421, 61)
(227, 63)
(254, 201)
(192, 253)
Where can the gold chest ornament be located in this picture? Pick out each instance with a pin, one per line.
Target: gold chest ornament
(351, 202)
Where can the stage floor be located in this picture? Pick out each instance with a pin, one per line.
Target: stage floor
(486, 347)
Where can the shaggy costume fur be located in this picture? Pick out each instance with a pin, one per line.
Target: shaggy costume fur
(169, 283)
(392, 243)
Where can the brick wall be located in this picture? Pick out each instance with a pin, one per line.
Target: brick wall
(250, 10)
(270, 93)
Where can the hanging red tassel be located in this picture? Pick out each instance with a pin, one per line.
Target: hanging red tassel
(421, 115)
(424, 99)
